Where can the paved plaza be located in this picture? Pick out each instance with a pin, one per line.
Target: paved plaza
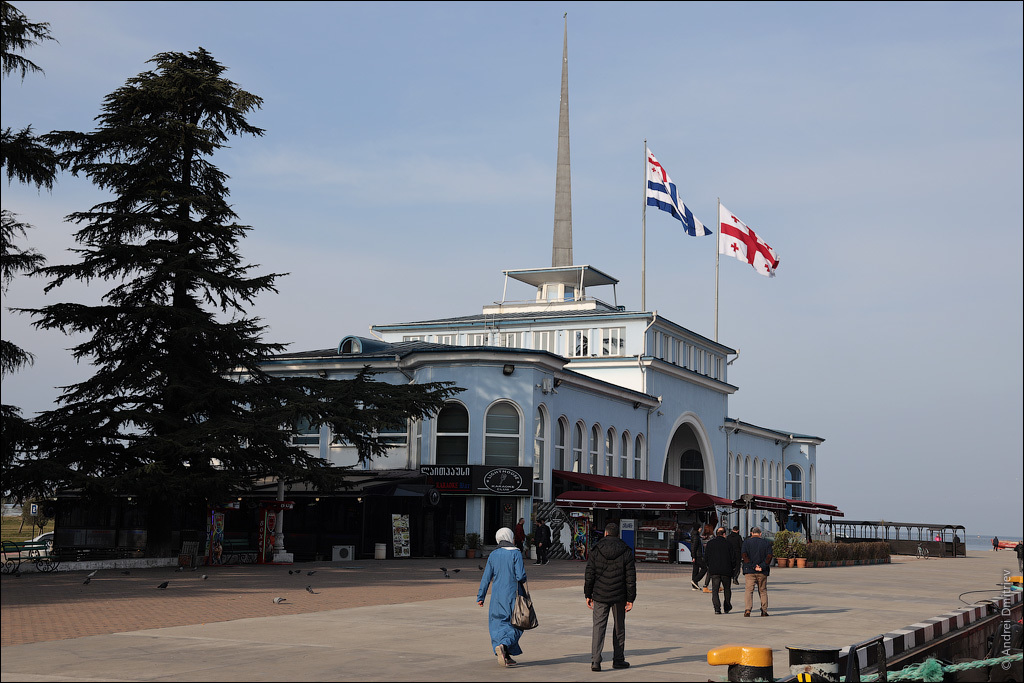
(402, 620)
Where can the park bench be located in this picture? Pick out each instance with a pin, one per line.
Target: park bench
(37, 552)
(237, 551)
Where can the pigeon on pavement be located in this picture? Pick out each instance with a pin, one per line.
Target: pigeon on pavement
(163, 585)
(278, 601)
(86, 582)
(92, 573)
(205, 577)
(456, 570)
(311, 572)
(480, 567)
(126, 572)
(309, 589)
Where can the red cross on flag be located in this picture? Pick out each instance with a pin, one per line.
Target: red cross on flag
(737, 240)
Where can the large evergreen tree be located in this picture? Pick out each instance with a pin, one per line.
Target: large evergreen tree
(179, 409)
(27, 160)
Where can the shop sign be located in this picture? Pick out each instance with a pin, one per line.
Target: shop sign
(480, 479)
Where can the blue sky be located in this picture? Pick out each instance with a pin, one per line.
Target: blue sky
(410, 157)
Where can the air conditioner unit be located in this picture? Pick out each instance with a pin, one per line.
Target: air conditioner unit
(538, 489)
(343, 553)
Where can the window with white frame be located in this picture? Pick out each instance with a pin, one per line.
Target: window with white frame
(580, 343)
(609, 453)
(539, 428)
(794, 483)
(771, 479)
(561, 435)
(746, 475)
(595, 447)
(510, 339)
(638, 457)
(501, 435)
(544, 340)
(450, 339)
(394, 436)
(452, 444)
(624, 455)
(476, 339)
(412, 337)
(305, 434)
(728, 478)
(613, 341)
(577, 448)
(417, 443)
(691, 471)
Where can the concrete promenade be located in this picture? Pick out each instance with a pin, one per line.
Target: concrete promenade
(402, 620)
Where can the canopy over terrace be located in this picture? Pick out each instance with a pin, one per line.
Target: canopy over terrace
(755, 502)
(904, 538)
(618, 493)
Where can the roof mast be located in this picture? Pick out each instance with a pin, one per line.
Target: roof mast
(561, 251)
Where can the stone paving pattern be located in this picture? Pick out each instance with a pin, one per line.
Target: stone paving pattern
(403, 620)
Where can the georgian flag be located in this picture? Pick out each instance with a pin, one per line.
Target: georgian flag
(661, 193)
(737, 240)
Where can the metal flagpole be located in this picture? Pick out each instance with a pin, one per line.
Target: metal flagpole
(643, 240)
(718, 237)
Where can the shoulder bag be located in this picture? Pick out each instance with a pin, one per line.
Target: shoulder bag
(523, 615)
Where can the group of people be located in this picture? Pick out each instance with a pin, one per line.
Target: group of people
(542, 539)
(720, 558)
(609, 585)
(609, 588)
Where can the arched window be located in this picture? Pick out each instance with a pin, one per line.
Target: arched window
(501, 435)
(595, 447)
(638, 457)
(577, 448)
(728, 478)
(738, 473)
(624, 455)
(560, 437)
(771, 479)
(691, 471)
(452, 435)
(764, 491)
(746, 475)
(609, 453)
(539, 432)
(794, 483)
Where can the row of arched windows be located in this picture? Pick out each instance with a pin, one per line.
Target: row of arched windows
(575, 447)
(764, 477)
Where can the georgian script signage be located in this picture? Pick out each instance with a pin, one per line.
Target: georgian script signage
(480, 480)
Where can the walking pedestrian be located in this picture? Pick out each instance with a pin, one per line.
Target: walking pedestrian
(504, 574)
(736, 541)
(1019, 549)
(995, 543)
(543, 540)
(520, 534)
(700, 569)
(721, 558)
(610, 586)
(757, 560)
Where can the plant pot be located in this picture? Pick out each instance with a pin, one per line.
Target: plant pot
(460, 554)
(801, 562)
(783, 561)
(471, 553)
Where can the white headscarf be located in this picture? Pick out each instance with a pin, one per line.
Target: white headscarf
(505, 534)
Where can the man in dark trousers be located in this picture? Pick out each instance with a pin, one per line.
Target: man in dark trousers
(721, 559)
(757, 560)
(700, 568)
(736, 541)
(542, 538)
(610, 586)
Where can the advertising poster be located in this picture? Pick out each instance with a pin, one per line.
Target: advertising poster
(400, 534)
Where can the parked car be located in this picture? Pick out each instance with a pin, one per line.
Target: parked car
(46, 538)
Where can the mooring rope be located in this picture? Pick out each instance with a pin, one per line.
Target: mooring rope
(931, 670)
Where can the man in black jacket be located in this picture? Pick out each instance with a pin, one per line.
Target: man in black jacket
(610, 586)
(721, 558)
(737, 542)
(543, 540)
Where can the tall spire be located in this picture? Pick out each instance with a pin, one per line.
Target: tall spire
(561, 251)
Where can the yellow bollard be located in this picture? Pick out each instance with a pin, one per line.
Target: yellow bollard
(746, 662)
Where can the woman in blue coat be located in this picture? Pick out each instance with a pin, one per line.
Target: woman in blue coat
(505, 571)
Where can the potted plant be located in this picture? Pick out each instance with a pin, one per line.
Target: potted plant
(528, 545)
(799, 550)
(472, 541)
(782, 547)
(459, 542)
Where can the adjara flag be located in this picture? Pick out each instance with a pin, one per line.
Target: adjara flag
(739, 241)
(662, 194)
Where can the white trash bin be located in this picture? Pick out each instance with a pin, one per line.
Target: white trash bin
(380, 551)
